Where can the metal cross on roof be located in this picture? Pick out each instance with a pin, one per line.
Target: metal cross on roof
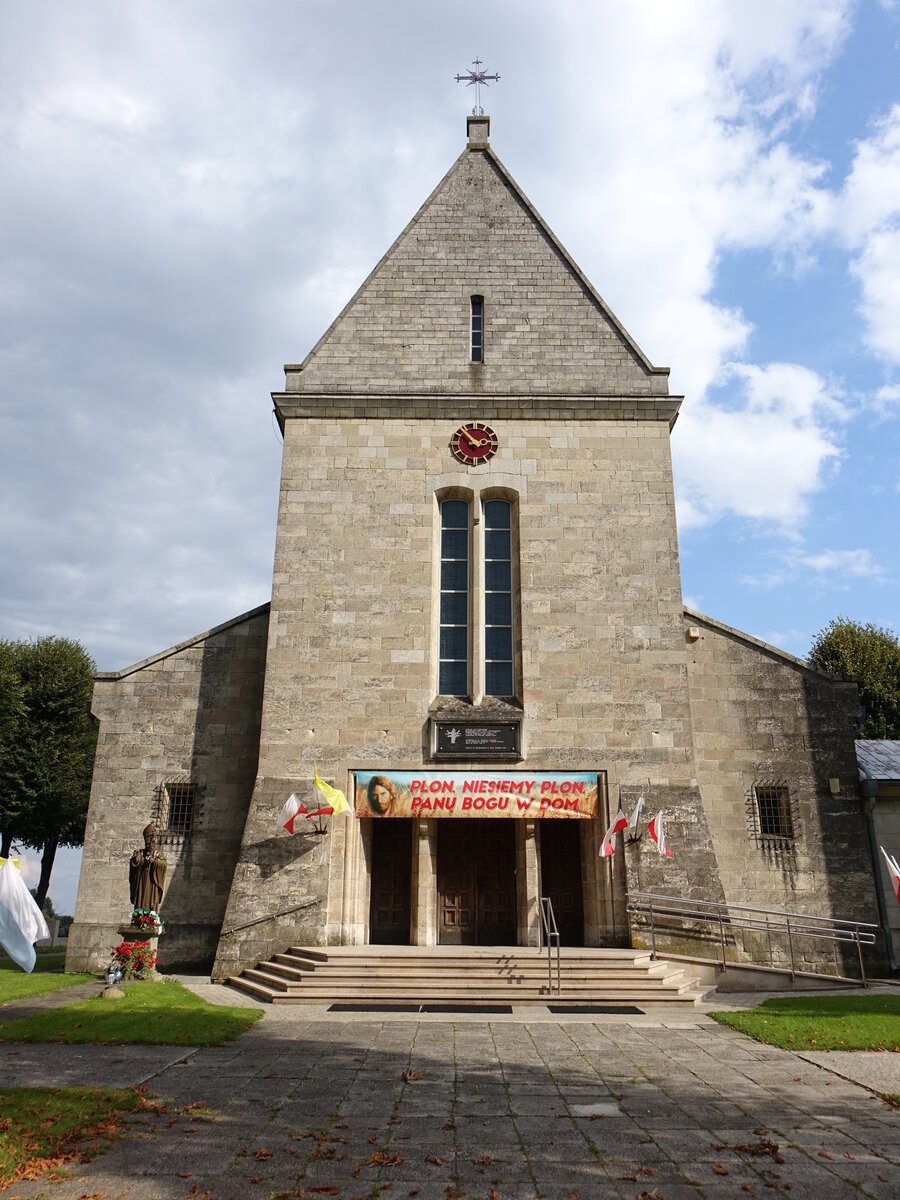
(478, 77)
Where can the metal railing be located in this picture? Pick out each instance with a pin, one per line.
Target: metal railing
(551, 936)
(772, 922)
(282, 912)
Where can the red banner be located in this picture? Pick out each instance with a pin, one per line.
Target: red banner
(476, 794)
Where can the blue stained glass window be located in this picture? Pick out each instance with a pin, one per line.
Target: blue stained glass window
(498, 633)
(453, 651)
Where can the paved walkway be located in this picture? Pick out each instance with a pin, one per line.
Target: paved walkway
(666, 1105)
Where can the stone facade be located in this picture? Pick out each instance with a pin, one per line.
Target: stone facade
(765, 718)
(609, 678)
(189, 714)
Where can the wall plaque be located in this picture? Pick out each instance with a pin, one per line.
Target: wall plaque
(476, 739)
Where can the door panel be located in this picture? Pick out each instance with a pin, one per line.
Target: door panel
(476, 883)
(391, 878)
(561, 877)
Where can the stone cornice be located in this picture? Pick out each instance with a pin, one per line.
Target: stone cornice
(456, 407)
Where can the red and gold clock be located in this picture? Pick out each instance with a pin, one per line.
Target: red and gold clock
(474, 443)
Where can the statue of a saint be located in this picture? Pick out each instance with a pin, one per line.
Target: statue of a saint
(147, 873)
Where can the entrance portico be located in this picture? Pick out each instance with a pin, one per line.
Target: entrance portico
(471, 872)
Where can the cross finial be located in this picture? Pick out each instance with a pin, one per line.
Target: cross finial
(478, 77)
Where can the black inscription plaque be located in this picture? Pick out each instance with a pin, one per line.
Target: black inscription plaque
(475, 739)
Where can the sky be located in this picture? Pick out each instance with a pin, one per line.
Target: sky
(190, 192)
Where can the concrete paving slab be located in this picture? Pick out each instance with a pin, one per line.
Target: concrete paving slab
(877, 1070)
(557, 1105)
(24, 1065)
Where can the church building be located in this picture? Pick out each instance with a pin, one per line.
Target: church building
(477, 633)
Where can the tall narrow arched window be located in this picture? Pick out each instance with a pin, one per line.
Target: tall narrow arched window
(453, 665)
(498, 599)
(477, 339)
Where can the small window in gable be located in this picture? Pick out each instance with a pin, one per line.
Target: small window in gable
(478, 329)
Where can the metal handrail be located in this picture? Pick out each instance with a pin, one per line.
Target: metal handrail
(548, 921)
(768, 920)
(282, 912)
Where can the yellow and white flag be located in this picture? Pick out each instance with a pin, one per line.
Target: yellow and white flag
(333, 795)
(21, 921)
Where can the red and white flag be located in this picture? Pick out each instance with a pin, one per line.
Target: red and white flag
(659, 835)
(294, 808)
(894, 871)
(607, 849)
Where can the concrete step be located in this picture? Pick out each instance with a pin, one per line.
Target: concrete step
(481, 975)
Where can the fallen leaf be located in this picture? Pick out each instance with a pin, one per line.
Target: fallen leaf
(746, 1187)
(719, 1169)
(409, 1076)
(433, 1158)
(262, 1153)
(184, 1174)
(824, 1154)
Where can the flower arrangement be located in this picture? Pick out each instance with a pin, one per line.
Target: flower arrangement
(134, 959)
(146, 918)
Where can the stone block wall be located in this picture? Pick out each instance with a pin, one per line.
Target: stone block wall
(191, 713)
(408, 326)
(352, 659)
(761, 716)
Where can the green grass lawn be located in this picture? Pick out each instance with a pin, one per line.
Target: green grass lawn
(861, 1022)
(41, 1128)
(154, 1014)
(16, 985)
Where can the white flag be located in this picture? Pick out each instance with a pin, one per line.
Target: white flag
(659, 835)
(894, 871)
(607, 849)
(21, 921)
(636, 815)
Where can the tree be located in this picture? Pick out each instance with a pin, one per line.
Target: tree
(846, 647)
(47, 743)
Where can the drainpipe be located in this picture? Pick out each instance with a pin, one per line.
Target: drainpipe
(870, 792)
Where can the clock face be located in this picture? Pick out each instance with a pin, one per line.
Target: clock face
(474, 443)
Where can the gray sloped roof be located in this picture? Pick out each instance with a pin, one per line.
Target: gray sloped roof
(881, 759)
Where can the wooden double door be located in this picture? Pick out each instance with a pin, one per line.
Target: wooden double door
(476, 882)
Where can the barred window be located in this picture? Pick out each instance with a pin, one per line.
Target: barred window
(177, 807)
(773, 810)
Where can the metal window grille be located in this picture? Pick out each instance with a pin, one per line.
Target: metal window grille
(773, 807)
(177, 804)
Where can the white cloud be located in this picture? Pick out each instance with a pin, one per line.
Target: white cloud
(765, 454)
(867, 217)
(856, 563)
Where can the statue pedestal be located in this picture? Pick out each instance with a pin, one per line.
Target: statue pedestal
(148, 935)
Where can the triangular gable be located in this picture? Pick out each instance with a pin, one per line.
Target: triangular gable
(407, 327)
